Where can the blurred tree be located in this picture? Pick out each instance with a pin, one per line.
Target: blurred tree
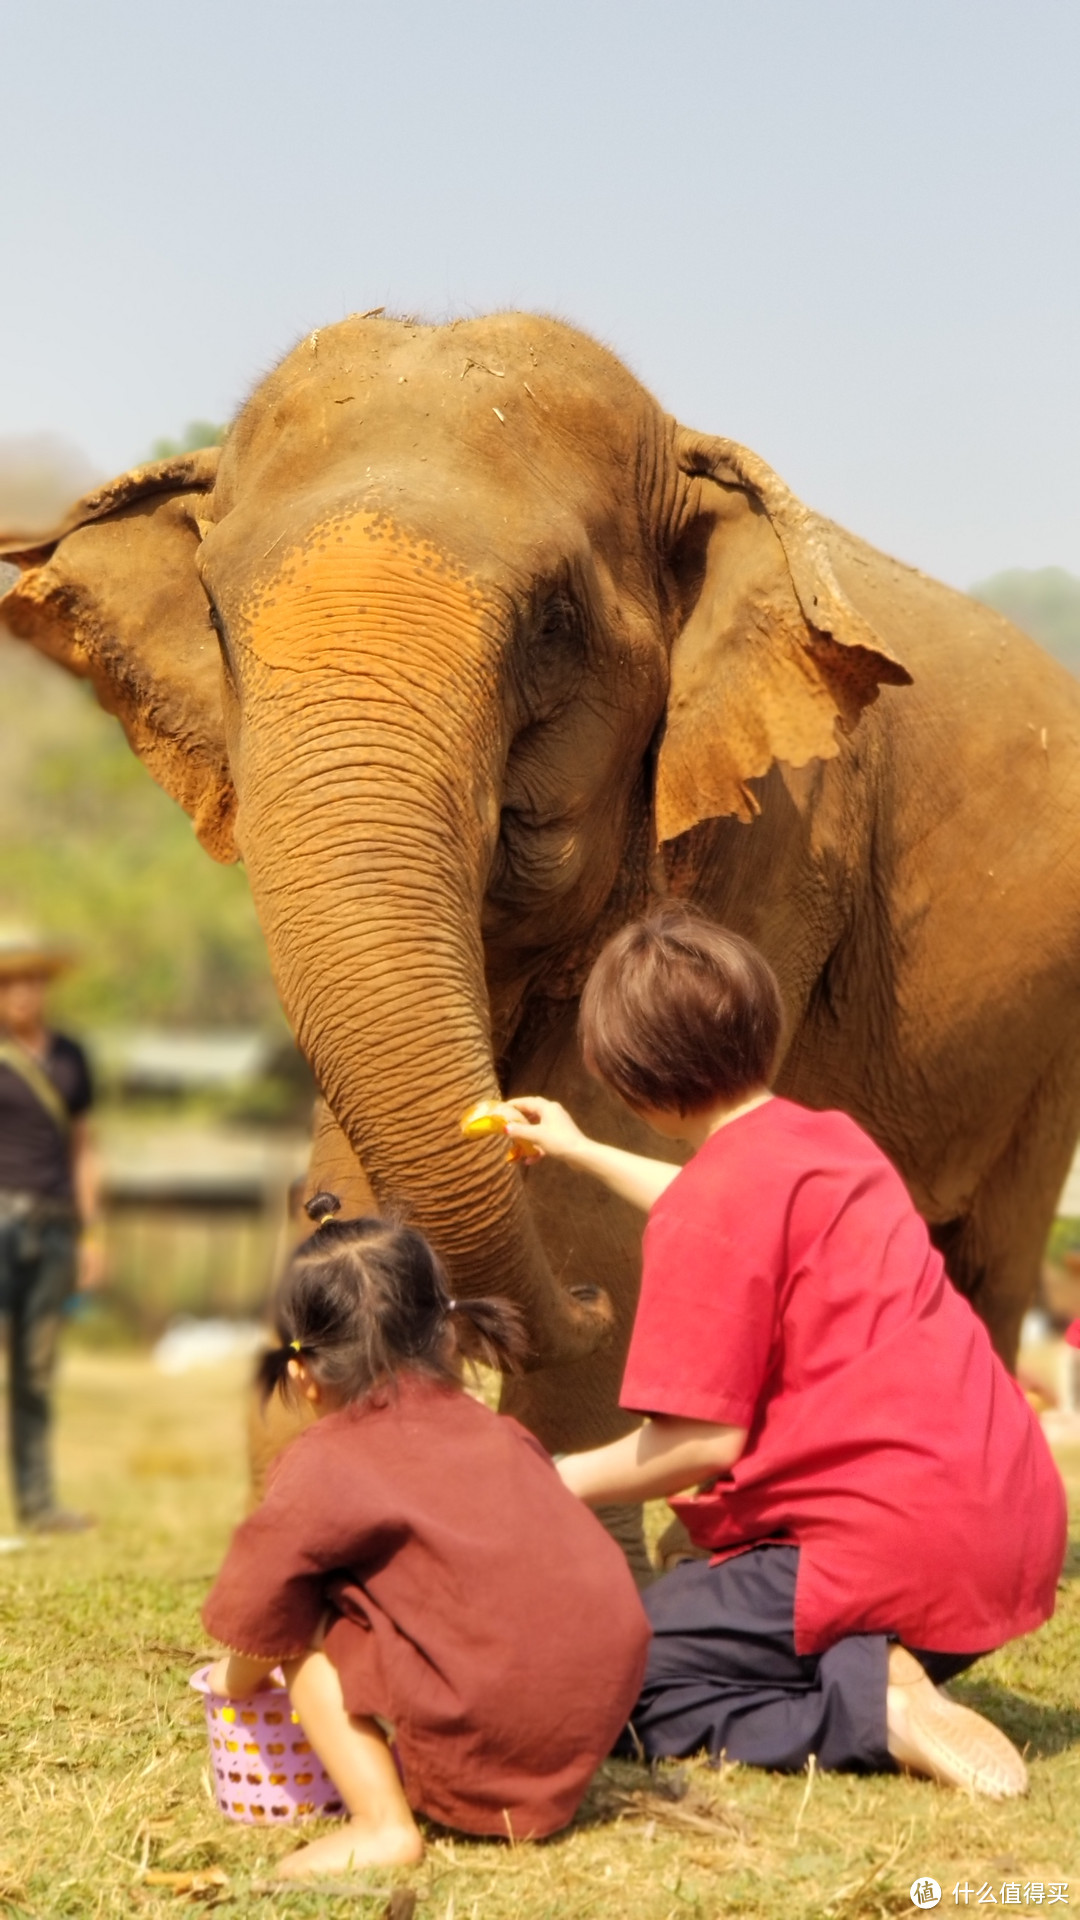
(92, 850)
(97, 854)
(1044, 601)
(197, 433)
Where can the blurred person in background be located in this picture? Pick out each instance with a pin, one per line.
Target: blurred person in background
(49, 1207)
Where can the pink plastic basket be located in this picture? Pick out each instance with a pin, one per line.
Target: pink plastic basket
(262, 1766)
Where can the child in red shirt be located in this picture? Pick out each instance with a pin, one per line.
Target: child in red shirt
(419, 1570)
(872, 1495)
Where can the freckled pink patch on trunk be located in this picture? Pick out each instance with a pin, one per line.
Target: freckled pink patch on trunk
(356, 572)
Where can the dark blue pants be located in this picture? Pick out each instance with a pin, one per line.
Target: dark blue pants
(723, 1674)
(37, 1276)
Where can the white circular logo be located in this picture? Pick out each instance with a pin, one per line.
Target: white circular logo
(925, 1892)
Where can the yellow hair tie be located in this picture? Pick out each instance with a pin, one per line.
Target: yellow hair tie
(296, 1345)
(323, 1218)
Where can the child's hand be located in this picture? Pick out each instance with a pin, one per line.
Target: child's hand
(237, 1676)
(217, 1678)
(492, 1116)
(545, 1125)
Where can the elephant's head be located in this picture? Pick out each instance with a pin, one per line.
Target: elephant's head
(457, 628)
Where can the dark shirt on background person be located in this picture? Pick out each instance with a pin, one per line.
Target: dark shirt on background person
(35, 1157)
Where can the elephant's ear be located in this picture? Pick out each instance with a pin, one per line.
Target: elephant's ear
(113, 595)
(771, 658)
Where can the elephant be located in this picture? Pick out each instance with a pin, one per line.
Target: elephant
(471, 653)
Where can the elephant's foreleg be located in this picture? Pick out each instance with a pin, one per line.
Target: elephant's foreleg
(626, 1525)
(994, 1252)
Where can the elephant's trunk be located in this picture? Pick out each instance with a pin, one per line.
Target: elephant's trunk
(367, 818)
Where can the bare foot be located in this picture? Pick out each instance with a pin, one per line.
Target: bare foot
(930, 1734)
(353, 1845)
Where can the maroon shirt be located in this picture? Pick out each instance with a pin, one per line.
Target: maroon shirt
(790, 1287)
(480, 1607)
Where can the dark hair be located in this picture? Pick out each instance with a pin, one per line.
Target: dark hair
(678, 1013)
(365, 1300)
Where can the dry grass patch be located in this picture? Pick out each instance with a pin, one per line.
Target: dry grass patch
(106, 1795)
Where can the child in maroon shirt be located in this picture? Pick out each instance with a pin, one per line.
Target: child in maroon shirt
(875, 1503)
(418, 1568)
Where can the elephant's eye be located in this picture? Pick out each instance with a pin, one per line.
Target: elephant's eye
(551, 657)
(218, 624)
(559, 627)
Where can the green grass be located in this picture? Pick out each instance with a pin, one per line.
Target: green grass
(103, 1749)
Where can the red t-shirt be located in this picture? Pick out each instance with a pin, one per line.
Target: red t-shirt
(790, 1287)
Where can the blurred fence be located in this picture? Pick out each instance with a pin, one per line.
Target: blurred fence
(196, 1219)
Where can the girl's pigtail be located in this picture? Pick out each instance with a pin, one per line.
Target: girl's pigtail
(496, 1333)
(272, 1371)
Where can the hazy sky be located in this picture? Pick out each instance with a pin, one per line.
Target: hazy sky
(842, 231)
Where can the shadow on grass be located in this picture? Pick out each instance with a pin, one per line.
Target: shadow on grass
(1042, 1730)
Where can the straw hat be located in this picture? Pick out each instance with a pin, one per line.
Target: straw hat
(25, 951)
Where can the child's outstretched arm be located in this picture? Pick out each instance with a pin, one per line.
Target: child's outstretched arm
(547, 1125)
(667, 1455)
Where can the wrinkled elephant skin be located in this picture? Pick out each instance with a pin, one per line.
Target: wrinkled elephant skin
(470, 652)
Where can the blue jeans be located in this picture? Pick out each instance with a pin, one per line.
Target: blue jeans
(37, 1276)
